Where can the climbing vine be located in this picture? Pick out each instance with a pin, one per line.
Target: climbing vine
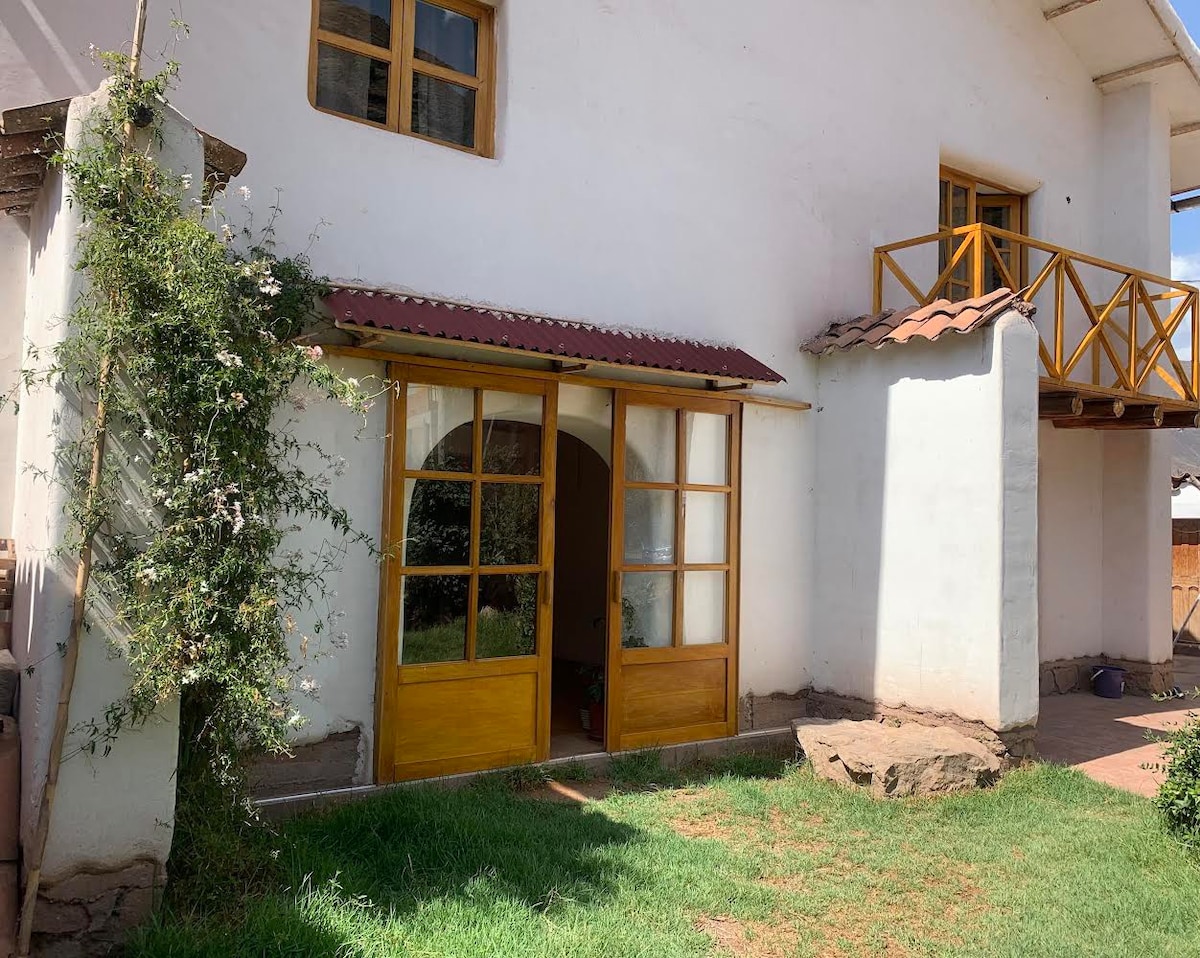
(190, 335)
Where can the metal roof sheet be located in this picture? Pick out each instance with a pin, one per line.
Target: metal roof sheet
(925, 322)
(562, 339)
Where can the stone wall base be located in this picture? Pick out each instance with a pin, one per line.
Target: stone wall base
(756, 712)
(329, 763)
(1015, 743)
(89, 913)
(1075, 675)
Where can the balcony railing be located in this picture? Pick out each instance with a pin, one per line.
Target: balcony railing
(1104, 329)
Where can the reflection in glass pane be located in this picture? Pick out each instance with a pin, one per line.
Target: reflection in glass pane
(444, 111)
(438, 531)
(351, 84)
(366, 20)
(649, 444)
(707, 444)
(440, 424)
(507, 623)
(446, 38)
(704, 526)
(508, 524)
(433, 620)
(649, 526)
(512, 434)
(647, 608)
(703, 608)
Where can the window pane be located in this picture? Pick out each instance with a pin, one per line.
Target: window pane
(649, 526)
(351, 84)
(703, 608)
(444, 111)
(433, 621)
(438, 531)
(704, 526)
(508, 533)
(366, 20)
(446, 38)
(647, 608)
(512, 433)
(707, 448)
(649, 444)
(507, 623)
(440, 424)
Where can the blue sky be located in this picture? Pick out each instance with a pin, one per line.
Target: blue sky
(1185, 227)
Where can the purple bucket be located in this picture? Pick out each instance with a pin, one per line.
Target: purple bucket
(1108, 681)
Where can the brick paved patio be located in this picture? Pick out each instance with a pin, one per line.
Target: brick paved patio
(1106, 738)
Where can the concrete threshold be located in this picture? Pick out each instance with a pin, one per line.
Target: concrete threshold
(673, 756)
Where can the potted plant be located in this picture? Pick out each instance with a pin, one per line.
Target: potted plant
(591, 715)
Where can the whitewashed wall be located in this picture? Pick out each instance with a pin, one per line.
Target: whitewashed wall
(926, 529)
(113, 810)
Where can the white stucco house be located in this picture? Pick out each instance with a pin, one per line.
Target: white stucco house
(614, 253)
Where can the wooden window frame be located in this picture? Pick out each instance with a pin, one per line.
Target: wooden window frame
(1004, 195)
(402, 64)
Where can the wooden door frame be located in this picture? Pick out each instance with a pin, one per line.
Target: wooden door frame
(618, 656)
(390, 675)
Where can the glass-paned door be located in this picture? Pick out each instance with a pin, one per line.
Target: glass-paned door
(963, 202)
(465, 649)
(673, 596)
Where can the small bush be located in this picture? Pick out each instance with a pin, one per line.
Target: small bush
(1179, 796)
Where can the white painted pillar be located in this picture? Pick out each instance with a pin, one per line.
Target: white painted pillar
(112, 822)
(1136, 230)
(14, 266)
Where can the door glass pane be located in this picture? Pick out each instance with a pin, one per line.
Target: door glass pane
(649, 444)
(433, 620)
(647, 608)
(507, 623)
(438, 531)
(446, 38)
(703, 608)
(366, 20)
(704, 526)
(444, 111)
(440, 424)
(707, 448)
(512, 434)
(508, 523)
(960, 213)
(649, 526)
(352, 84)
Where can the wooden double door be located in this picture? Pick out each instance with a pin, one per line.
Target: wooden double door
(467, 591)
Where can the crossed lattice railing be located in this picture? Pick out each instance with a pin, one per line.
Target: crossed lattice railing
(1101, 325)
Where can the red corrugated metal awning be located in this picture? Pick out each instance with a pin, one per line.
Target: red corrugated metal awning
(554, 338)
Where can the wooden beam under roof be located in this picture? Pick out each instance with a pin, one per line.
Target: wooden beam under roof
(1138, 68)
(1067, 8)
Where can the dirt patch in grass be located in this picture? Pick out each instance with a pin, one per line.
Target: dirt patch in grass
(749, 939)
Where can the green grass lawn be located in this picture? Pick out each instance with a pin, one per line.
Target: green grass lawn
(749, 857)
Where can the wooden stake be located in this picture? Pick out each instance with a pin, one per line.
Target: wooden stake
(79, 606)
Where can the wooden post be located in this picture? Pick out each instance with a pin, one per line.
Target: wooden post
(1066, 406)
(83, 574)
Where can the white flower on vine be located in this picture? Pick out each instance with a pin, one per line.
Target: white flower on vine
(148, 574)
(310, 687)
(226, 358)
(194, 476)
(191, 675)
(352, 383)
(244, 192)
(227, 232)
(239, 400)
(148, 434)
(239, 521)
(266, 336)
(339, 466)
(270, 285)
(313, 352)
(295, 720)
(186, 181)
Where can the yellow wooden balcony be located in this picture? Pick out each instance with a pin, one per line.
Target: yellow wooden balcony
(1106, 331)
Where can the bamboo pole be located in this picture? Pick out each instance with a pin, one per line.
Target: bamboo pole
(83, 575)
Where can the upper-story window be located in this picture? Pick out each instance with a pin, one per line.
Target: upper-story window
(411, 66)
(964, 200)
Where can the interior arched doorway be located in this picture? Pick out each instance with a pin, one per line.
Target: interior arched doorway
(580, 599)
